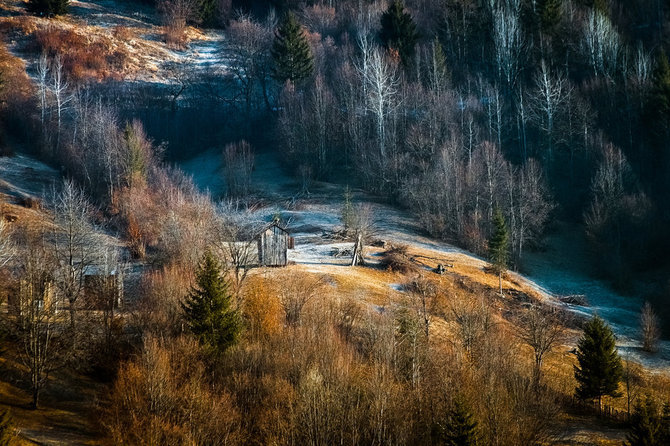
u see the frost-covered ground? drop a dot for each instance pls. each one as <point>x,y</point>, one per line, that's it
<point>22,177</point>
<point>315,218</point>
<point>563,269</point>
<point>133,29</point>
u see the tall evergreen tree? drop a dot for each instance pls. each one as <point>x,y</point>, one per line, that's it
<point>461,427</point>
<point>291,53</point>
<point>646,425</point>
<point>399,32</point>
<point>499,245</point>
<point>48,7</point>
<point>208,308</point>
<point>599,370</point>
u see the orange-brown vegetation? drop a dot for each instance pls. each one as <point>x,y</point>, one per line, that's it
<point>334,355</point>
<point>84,56</point>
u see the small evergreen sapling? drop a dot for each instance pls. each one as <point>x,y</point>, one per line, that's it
<point>649,427</point>
<point>208,308</point>
<point>461,428</point>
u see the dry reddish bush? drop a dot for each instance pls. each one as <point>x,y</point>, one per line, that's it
<point>164,397</point>
<point>262,308</point>
<point>122,32</point>
<point>84,57</point>
<point>23,24</point>
<point>161,292</point>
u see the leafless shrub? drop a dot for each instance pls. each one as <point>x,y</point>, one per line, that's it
<point>164,397</point>
<point>542,329</point>
<point>474,321</point>
<point>319,18</point>
<point>649,328</point>
<point>175,15</point>
<point>295,296</point>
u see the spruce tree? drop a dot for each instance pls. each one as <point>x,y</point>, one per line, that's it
<point>499,245</point>
<point>48,7</point>
<point>6,428</point>
<point>208,308</point>
<point>291,53</point>
<point>398,32</point>
<point>646,425</point>
<point>599,370</point>
<point>461,428</point>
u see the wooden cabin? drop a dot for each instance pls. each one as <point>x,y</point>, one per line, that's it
<point>103,290</point>
<point>273,244</point>
<point>40,294</point>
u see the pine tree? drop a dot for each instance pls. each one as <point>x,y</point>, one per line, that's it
<point>291,53</point>
<point>208,308</point>
<point>461,428</point>
<point>48,7</point>
<point>646,425</point>
<point>498,245</point>
<point>599,370</point>
<point>399,32</point>
<point>6,428</point>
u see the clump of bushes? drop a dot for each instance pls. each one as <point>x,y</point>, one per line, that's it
<point>397,259</point>
<point>83,57</point>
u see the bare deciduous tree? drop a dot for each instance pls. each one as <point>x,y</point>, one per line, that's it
<point>37,327</point>
<point>250,43</point>
<point>59,89</point>
<point>602,44</point>
<point>508,41</point>
<point>649,328</point>
<point>7,245</point>
<point>238,159</point>
<point>77,244</point>
<point>549,100</point>
<point>379,77</point>
<point>542,329</point>
<point>235,242</point>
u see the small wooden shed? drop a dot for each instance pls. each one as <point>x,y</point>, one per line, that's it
<point>273,244</point>
<point>103,289</point>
